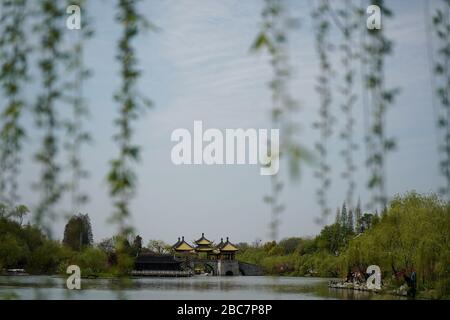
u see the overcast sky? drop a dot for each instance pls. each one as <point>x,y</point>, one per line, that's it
<point>198,67</point>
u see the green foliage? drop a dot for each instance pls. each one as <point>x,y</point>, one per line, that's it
<point>13,251</point>
<point>76,135</point>
<point>137,245</point>
<point>307,246</point>
<point>45,259</point>
<point>331,238</point>
<point>125,254</point>
<point>78,232</point>
<point>158,246</point>
<point>344,216</point>
<point>439,42</point>
<point>290,245</point>
<point>274,38</point>
<point>366,221</point>
<point>350,221</point>
<point>251,255</point>
<point>348,25</point>
<point>92,261</point>
<point>376,47</point>
<point>412,234</point>
<point>279,264</point>
<point>121,177</point>
<point>108,245</point>
<point>13,77</point>
<point>27,247</point>
<point>324,125</point>
<point>16,213</point>
<point>358,216</point>
<point>48,120</point>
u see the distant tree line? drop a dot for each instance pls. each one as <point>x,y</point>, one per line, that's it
<point>28,247</point>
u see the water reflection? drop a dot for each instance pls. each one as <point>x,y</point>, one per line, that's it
<point>46,287</point>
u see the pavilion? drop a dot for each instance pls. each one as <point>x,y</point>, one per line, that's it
<point>206,248</point>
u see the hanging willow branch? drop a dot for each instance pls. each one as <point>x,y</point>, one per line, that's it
<point>350,17</point>
<point>51,58</point>
<point>321,16</point>
<point>76,135</point>
<point>375,50</point>
<point>13,77</point>
<point>122,177</point>
<point>441,85</point>
<point>273,37</point>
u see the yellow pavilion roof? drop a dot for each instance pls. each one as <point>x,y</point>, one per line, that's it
<point>204,245</point>
<point>203,241</point>
<point>227,246</point>
<point>182,246</point>
<point>204,249</point>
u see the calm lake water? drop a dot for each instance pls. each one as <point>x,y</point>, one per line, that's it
<point>193,288</point>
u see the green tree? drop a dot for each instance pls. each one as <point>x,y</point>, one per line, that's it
<point>78,232</point>
<point>158,246</point>
<point>45,259</point>
<point>350,223</point>
<point>413,235</point>
<point>338,216</point>
<point>19,212</point>
<point>289,245</point>
<point>4,210</point>
<point>108,245</point>
<point>358,216</point>
<point>92,260</point>
<point>307,246</point>
<point>13,251</point>
<point>366,221</point>
<point>124,256</point>
<point>330,238</point>
<point>344,217</point>
<point>137,245</point>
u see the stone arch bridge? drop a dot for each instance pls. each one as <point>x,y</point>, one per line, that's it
<point>226,267</point>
